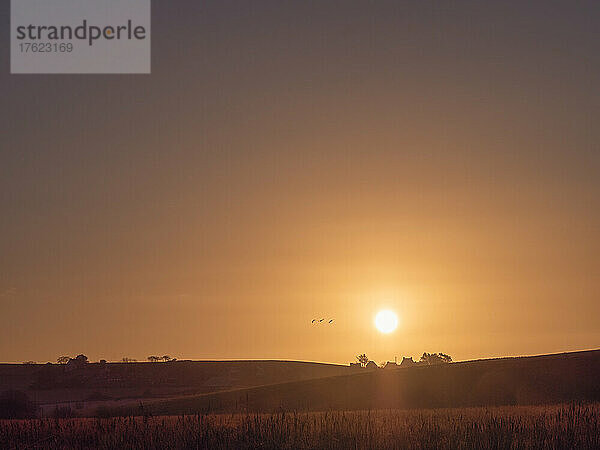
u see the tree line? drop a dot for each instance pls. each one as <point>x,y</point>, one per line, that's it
<point>83,359</point>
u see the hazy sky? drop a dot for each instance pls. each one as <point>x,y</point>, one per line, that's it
<point>288,160</point>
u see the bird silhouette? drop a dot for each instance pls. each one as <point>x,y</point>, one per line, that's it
<point>318,321</point>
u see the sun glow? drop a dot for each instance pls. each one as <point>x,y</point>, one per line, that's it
<point>386,321</point>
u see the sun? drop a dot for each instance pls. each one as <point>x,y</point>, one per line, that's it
<point>386,321</point>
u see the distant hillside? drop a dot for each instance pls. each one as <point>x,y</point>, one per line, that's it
<point>508,381</point>
<point>56,383</point>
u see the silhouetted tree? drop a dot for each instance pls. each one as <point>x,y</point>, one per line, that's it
<point>166,358</point>
<point>153,358</point>
<point>435,358</point>
<point>80,360</point>
<point>445,358</point>
<point>128,360</point>
<point>363,360</point>
<point>62,359</point>
<point>28,363</point>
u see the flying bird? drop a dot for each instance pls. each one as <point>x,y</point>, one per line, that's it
<point>317,321</point>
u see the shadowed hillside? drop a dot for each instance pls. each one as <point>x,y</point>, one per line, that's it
<point>95,383</point>
<point>510,381</point>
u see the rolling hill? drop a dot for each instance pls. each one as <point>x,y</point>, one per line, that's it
<point>110,384</point>
<point>542,379</point>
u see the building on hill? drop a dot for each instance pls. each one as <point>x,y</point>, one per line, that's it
<point>407,362</point>
<point>391,365</point>
<point>371,365</point>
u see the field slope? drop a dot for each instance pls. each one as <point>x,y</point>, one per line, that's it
<point>544,379</point>
<point>85,388</point>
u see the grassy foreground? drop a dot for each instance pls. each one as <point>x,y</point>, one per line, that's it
<point>557,427</point>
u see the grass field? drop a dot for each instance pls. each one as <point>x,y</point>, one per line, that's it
<point>558,427</point>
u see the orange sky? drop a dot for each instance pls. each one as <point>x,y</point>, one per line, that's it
<point>287,162</point>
